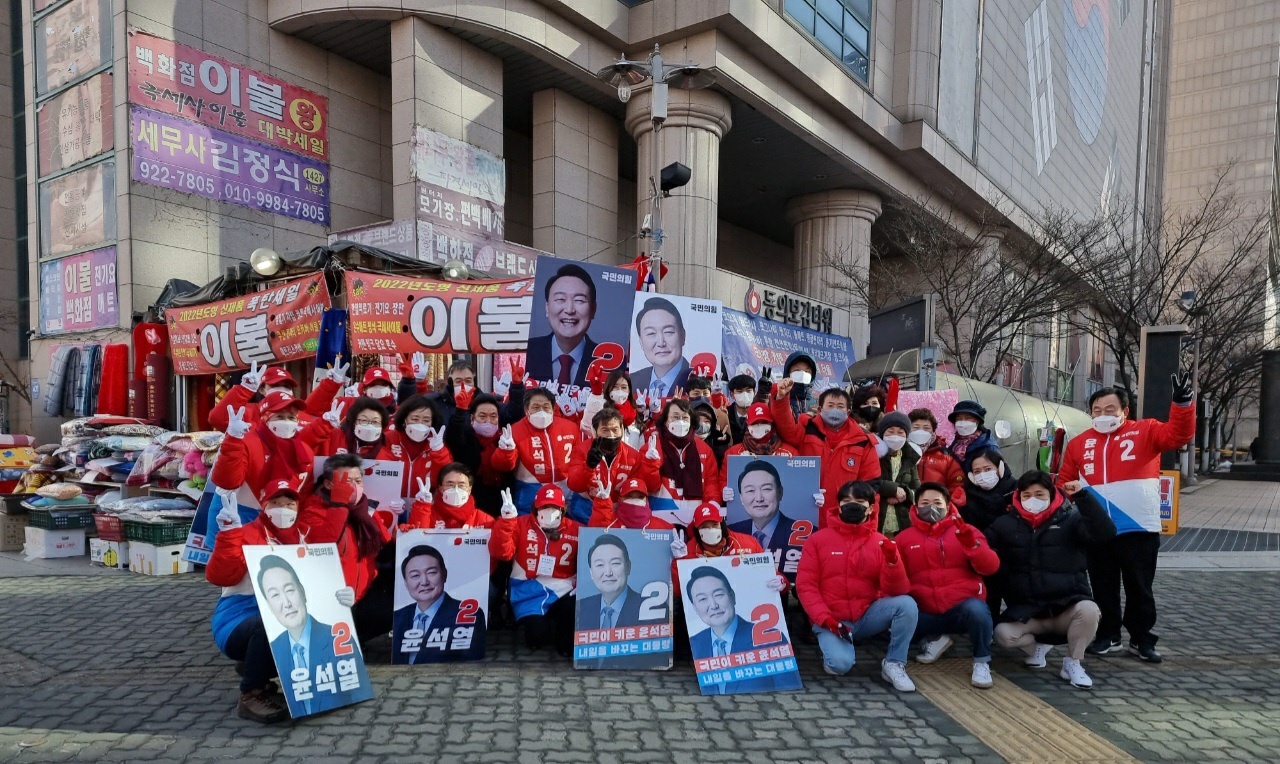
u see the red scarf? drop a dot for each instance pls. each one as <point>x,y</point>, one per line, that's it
<point>286,457</point>
<point>453,517</point>
<point>627,411</point>
<point>1038,520</point>
<point>689,479</point>
<point>760,447</point>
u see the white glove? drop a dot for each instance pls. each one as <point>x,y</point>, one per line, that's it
<point>508,506</point>
<point>642,400</point>
<point>777,584</point>
<point>717,384</point>
<point>652,451</point>
<point>395,507</point>
<point>334,415</point>
<point>419,362</point>
<point>338,372</point>
<point>252,378</point>
<point>601,490</point>
<point>346,596</point>
<point>506,442</point>
<point>436,439</point>
<point>502,385</point>
<point>678,548</point>
<point>236,426</point>
<point>424,490</point>
<point>820,498</point>
<point>566,404</point>
<point>727,494</point>
<point>352,391</point>
<point>228,517</point>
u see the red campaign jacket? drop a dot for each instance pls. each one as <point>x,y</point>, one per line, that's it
<point>604,515</point>
<point>227,566</point>
<point>627,464</point>
<point>493,469</point>
<point>523,542</point>
<point>318,403</point>
<point>337,444</point>
<point>937,465</point>
<point>540,456</point>
<point>943,571</point>
<point>843,571</point>
<point>847,454</point>
<point>437,515</point>
<point>357,571</point>
<point>244,460</point>
<point>418,458</point>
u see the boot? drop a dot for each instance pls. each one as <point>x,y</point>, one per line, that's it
<point>262,706</point>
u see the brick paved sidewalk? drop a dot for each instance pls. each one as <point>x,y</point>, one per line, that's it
<point>1232,505</point>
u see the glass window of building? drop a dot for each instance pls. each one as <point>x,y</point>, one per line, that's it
<point>841,26</point>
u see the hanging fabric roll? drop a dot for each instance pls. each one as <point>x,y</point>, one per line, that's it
<point>138,408</point>
<point>113,393</point>
<point>58,375</point>
<point>158,386</point>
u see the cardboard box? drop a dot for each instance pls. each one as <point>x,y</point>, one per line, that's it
<point>152,560</point>
<point>12,535</point>
<point>109,554</point>
<point>44,544</point>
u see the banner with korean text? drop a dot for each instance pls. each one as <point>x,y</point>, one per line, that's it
<point>78,292</point>
<point>272,326</point>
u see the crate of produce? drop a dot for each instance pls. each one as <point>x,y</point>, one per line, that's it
<point>61,518</point>
<point>159,534</point>
<point>110,527</point>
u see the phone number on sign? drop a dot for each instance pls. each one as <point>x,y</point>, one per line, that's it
<point>220,189</point>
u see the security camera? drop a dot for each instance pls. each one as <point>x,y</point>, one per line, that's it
<point>647,226</point>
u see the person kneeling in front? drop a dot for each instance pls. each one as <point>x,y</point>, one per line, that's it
<point>1044,546</point>
<point>852,585</point>
<point>946,559</point>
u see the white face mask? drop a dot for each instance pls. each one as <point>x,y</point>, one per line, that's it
<point>540,419</point>
<point>985,480</point>
<point>920,437</point>
<point>417,432</point>
<point>1106,424</point>
<point>548,519</point>
<point>895,442</point>
<point>801,377</point>
<point>710,536</point>
<point>760,431</point>
<point>678,427</point>
<point>378,391</point>
<point>368,432</point>
<point>619,396</point>
<point>743,399</point>
<point>282,517</point>
<point>456,497</point>
<point>1035,506</point>
<point>485,429</point>
<point>283,428</point>
<point>966,427</point>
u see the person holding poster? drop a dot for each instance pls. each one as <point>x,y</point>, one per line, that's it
<point>760,495</point>
<point>688,473</point>
<point>670,352</point>
<point>451,507</point>
<point>761,438</point>
<point>436,626</point>
<point>732,654</point>
<point>417,443</point>
<point>542,444</point>
<point>256,384</point>
<point>544,549</point>
<point>272,448</point>
<point>605,461</point>
<point>852,585</point>
<point>624,603</point>
<point>319,663</point>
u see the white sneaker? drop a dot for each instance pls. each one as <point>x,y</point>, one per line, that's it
<point>1074,673</point>
<point>934,648</point>
<point>895,673</point>
<point>981,676</point>
<point>1037,658</point>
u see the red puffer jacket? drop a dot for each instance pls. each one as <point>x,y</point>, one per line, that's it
<point>420,462</point>
<point>937,465</point>
<point>626,464</point>
<point>358,571</point>
<point>247,459</point>
<point>943,571</point>
<point>843,570</point>
<point>438,515</point>
<point>523,542</point>
<point>847,454</point>
<point>318,403</point>
<point>540,456</point>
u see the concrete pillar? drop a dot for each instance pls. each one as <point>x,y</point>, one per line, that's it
<point>575,177</point>
<point>1269,409</point>
<point>834,224</point>
<point>444,83</point>
<point>696,121</point>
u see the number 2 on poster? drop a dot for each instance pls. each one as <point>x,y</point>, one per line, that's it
<point>341,639</point>
<point>653,600</point>
<point>800,532</point>
<point>764,630</point>
<point>467,612</point>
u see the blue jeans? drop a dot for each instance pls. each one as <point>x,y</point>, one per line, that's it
<point>972,617</point>
<point>896,615</point>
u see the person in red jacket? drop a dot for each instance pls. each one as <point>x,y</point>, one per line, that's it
<point>276,379</point>
<point>544,443</point>
<point>605,460</point>
<point>417,443</point>
<point>936,464</point>
<point>688,473</point>
<point>363,432</point>
<point>852,585</point>
<point>451,507</point>
<point>760,438</point>
<point>631,510</point>
<point>544,549</point>
<point>848,452</point>
<point>272,448</point>
<point>1119,459</point>
<point>946,560</point>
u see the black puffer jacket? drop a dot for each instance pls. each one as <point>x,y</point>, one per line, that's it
<point>1045,570</point>
<point>982,507</point>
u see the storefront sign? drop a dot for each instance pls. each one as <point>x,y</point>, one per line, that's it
<point>78,293</point>
<point>396,236</point>
<point>80,210</point>
<point>390,314</point>
<point>189,83</point>
<point>788,308</point>
<point>446,163</point>
<point>173,153</point>
<point>71,42</point>
<point>272,326</point>
<point>446,208</point>
<point>438,244</point>
<point>757,342</point>
<point>76,125</point>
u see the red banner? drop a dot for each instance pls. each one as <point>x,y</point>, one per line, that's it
<point>392,314</point>
<point>272,326</point>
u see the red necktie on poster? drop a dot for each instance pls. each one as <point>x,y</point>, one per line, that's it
<point>566,366</point>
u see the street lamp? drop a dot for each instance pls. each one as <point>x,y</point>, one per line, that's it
<point>455,270</point>
<point>625,74</point>
<point>265,261</point>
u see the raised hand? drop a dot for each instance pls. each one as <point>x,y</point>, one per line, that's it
<point>506,442</point>
<point>352,391</point>
<point>783,389</point>
<point>727,494</point>
<point>566,405</point>
<point>424,490</point>
<point>1072,487</point>
<point>517,372</point>
<point>502,385</point>
<point>597,379</point>
<point>418,361</point>
<point>1182,391</point>
<point>463,396</point>
<point>436,439</point>
<point>678,547</point>
<point>642,400</point>
<point>717,383</point>
<point>967,534</point>
<point>890,550</point>
<point>652,452</point>
<point>338,372</point>
<point>334,415</point>
<point>601,490</point>
<point>508,511</point>
<point>252,378</point>
<point>228,517</point>
<point>236,426</point>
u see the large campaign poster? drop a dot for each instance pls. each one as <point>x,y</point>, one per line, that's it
<point>737,631</point>
<point>754,342</point>
<point>383,478</point>
<point>574,325</point>
<point>442,596</point>
<point>624,607</point>
<point>773,502</point>
<point>673,337</point>
<point>312,634</point>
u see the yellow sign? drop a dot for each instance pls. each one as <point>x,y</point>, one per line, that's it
<point>1170,486</point>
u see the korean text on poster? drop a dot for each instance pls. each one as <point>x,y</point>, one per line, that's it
<point>454,209</point>
<point>185,156</point>
<point>271,326</point>
<point>673,337</point>
<point>756,342</point>
<point>79,292</point>
<point>737,631</point>
<point>76,124</point>
<point>441,597</point>
<point>312,633</point>
<point>186,82</point>
<point>390,314</point>
<point>79,209</point>
<point>773,503</point>
<point>447,163</point>
<point>439,244</point>
<point>624,607</point>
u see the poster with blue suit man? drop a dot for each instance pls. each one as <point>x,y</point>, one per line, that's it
<point>773,500</point>
<point>624,607</point>
<point>441,596</point>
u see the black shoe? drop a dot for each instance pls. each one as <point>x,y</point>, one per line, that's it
<point>240,668</point>
<point>1102,646</point>
<point>1147,653</point>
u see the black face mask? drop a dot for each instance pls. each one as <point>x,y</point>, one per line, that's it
<point>869,413</point>
<point>853,513</point>
<point>607,445</point>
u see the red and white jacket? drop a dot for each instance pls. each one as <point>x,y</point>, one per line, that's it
<point>524,543</point>
<point>419,460</point>
<point>627,464</point>
<point>541,456</point>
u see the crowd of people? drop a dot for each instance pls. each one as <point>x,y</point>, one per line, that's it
<point>918,539</point>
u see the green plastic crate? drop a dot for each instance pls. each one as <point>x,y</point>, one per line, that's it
<point>60,519</point>
<point>160,534</point>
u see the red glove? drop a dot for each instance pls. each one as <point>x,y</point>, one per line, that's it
<point>517,372</point>
<point>831,625</point>
<point>406,369</point>
<point>597,379</point>
<point>890,550</point>
<point>463,396</point>
<point>719,400</point>
<point>967,535</point>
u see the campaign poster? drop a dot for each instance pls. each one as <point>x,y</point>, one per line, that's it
<point>450,164</point>
<point>76,124</point>
<point>673,337</point>
<point>204,526</point>
<point>79,209</point>
<point>624,607</point>
<point>737,631</point>
<point>755,342</point>
<point>572,329</point>
<point>383,478</point>
<point>773,503</point>
<point>442,596</point>
<point>312,634</point>
<point>71,42</point>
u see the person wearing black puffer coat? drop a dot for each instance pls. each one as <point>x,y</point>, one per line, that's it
<point>988,489</point>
